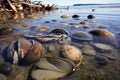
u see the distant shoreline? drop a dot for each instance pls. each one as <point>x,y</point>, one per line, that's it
<point>95,4</point>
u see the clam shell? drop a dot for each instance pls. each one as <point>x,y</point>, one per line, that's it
<point>23,47</point>
<point>72,53</point>
<point>52,69</point>
<point>24,51</point>
<point>34,53</point>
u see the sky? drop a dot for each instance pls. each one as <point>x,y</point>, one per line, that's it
<point>71,2</point>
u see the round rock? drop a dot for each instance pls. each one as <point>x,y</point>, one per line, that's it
<point>102,60</point>
<point>88,50</point>
<point>65,16</point>
<point>90,17</point>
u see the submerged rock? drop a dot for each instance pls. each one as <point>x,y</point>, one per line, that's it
<point>88,50</point>
<point>51,69</point>
<point>2,77</point>
<point>82,36</point>
<point>102,60</point>
<point>103,46</point>
<point>6,30</point>
<point>5,68</point>
<point>73,23</point>
<point>54,20</point>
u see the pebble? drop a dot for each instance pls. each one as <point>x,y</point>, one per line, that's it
<point>54,20</point>
<point>75,16</point>
<point>83,22</point>
<point>81,35</point>
<point>47,21</point>
<point>25,25</point>
<point>64,24</point>
<point>73,23</point>
<point>65,16</point>
<point>44,28</point>
<point>90,17</point>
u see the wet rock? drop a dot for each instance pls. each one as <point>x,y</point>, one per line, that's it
<point>71,52</point>
<point>54,20</point>
<point>76,17</point>
<point>6,30</point>
<point>101,33</point>
<point>88,50</point>
<point>64,24</point>
<point>65,16</point>
<point>44,28</point>
<point>1,58</point>
<point>103,47</point>
<point>64,40</point>
<point>90,17</point>
<point>102,60</point>
<point>47,21</point>
<point>51,69</point>
<point>83,22</point>
<point>6,68</point>
<point>86,26</point>
<point>69,78</point>
<point>2,77</point>
<point>59,32</point>
<point>25,25</point>
<point>19,72</point>
<point>73,23</point>
<point>81,36</point>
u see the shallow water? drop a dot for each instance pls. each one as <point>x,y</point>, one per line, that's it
<point>105,18</point>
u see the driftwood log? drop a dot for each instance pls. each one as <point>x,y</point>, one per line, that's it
<point>12,6</point>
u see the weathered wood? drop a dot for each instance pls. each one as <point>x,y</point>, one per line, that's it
<point>12,6</point>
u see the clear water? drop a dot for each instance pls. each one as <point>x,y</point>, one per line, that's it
<point>105,15</point>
